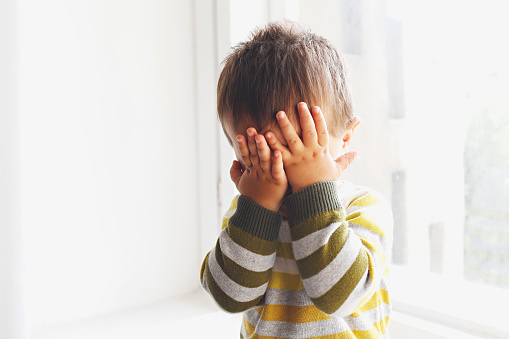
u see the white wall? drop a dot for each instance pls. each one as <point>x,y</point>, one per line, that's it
<point>108,154</point>
<point>11,265</point>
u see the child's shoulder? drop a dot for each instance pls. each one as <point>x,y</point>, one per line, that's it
<point>353,195</point>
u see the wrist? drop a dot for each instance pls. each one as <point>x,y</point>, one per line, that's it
<point>270,205</point>
<point>312,200</point>
<point>265,203</point>
<point>256,219</point>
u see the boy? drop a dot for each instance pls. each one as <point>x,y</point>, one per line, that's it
<point>302,253</point>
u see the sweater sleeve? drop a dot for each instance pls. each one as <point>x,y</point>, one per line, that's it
<point>236,272</point>
<point>341,258</point>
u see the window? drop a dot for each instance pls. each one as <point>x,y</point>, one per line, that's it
<point>430,80</point>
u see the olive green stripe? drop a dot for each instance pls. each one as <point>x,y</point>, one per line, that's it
<point>332,300</point>
<point>227,303</point>
<point>312,200</point>
<point>321,258</point>
<point>256,219</point>
<point>239,274</point>
<point>250,242</point>
<point>316,223</point>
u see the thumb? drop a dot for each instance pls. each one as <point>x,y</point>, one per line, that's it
<point>236,172</point>
<point>345,160</point>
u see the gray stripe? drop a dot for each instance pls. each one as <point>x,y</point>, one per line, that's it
<point>368,318</point>
<point>323,327</point>
<point>312,242</point>
<point>284,232</point>
<point>287,297</point>
<point>369,234</point>
<point>252,317</point>
<point>301,331</point>
<point>320,283</point>
<point>355,297</point>
<point>285,266</point>
<point>231,288</point>
<point>229,213</point>
<point>243,257</point>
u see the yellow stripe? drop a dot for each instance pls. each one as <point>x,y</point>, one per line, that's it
<point>372,269</point>
<point>380,297</point>
<point>366,220</point>
<point>371,275</point>
<point>233,206</point>
<point>285,281</point>
<point>375,249</point>
<point>374,332</point>
<point>293,314</point>
<point>248,327</point>
<point>224,223</point>
<point>284,250</point>
<point>366,201</point>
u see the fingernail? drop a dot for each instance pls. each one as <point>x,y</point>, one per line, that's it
<point>268,136</point>
<point>239,140</point>
<point>281,115</point>
<point>257,141</point>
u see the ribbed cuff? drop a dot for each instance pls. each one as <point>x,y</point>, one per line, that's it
<point>312,200</point>
<point>256,220</point>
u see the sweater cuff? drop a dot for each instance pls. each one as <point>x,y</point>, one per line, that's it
<point>312,200</point>
<point>256,220</point>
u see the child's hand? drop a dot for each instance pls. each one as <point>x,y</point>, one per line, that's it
<point>307,161</point>
<point>263,180</point>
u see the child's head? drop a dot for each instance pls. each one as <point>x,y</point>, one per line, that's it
<point>280,66</point>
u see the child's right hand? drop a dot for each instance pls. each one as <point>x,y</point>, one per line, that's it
<point>263,179</point>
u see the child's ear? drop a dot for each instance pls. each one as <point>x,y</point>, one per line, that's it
<point>350,128</point>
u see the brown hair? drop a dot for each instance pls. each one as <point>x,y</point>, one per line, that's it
<point>280,66</point>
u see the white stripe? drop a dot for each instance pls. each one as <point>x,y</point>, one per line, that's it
<point>284,265</point>
<point>230,287</point>
<point>320,283</point>
<point>243,257</point>
<point>284,232</point>
<point>369,318</point>
<point>355,297</point>
<point>365,285</point>
<point>229,213</point>
<point>301,330</point>
<point>310,243</point>
<point>374,237</point>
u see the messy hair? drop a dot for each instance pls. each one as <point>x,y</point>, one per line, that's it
<point>278,67</point>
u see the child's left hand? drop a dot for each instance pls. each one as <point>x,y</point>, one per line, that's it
<point>307,161</point>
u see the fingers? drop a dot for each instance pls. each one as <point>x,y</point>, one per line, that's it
<point>345,160</point>
<point>236,172</point>
<point>244,150</point>
<point>275,144</point>
<point>321,126</point>
<point>277,165</point>
<point>263,151</point>
<point>291,137</point>
<point>307,124</point>
<point>251,144</point>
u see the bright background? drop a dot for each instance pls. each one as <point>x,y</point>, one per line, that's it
<point>114,171</point>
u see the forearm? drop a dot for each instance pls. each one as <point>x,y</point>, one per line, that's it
<point>237,270</point>
<point>340,267</point>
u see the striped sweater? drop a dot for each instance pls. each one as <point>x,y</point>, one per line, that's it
<point>320,273</point>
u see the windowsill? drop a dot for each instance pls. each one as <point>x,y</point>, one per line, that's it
<point>190,316</point>
<point>457,305</point>
<point>404,326</point>
<point>415,316</point>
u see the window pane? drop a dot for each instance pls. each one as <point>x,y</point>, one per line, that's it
<point>431,82</point>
